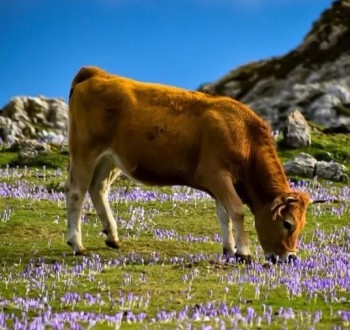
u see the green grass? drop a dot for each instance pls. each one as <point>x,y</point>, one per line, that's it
<point>34,237</point>
<point>335,147</point>
<point>7,157</point>
<point>36,230</point>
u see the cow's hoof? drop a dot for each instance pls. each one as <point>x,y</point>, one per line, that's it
<point>228,253</point>
<point>81,252</point>
<point>112,244</point>
<point>244,259</point>
<point>228,256</point>
<point>273,259</point>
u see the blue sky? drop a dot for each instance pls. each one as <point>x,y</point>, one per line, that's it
<point>179,42</point>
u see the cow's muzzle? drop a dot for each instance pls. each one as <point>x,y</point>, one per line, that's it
<point>288,258</point>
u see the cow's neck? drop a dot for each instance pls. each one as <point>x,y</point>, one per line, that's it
<point>266,179</point>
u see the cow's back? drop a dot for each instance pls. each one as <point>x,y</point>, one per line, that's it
<point>157,133</point>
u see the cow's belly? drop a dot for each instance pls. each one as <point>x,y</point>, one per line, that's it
<point>152,175</point>
<point>155,177</point>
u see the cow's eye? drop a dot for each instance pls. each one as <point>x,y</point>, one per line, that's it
<point>287,225</point>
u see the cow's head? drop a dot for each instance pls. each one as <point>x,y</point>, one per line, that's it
<point>280,223</point>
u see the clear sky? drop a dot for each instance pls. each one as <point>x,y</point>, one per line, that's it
<point>178,42</point>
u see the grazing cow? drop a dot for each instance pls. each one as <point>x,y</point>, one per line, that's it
<point>162,135</point>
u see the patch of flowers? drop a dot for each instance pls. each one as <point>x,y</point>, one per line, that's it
<point>327,280</point>
<point>79,295</point>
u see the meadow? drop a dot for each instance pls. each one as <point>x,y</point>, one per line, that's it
<point>169,272</point>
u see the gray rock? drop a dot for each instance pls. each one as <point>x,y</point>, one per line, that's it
<point>314,77</point>
<point>33,117</point>
<point>303,164</point>
<point>31,149</point>
<point>296,131</point>
<point>306,165</point>
<point>342,93</point>
<point>5,130</point>
<point>331,171</point>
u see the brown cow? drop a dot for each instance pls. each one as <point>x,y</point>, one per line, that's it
<point>162,135</point>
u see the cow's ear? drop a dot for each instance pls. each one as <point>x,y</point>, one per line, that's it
<point>276,203</point>
<point>302,197</point>
<point>281,202</point>
<point>291,199</point>
<point>277,206</point>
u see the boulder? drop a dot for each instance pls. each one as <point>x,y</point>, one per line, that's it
<point>296,131</point>
<point>303,164</point>
<point>306,165</point>
<point>31,149</point>
<point>331,171</point>
<point>6,134</point>
<point>33,117</point>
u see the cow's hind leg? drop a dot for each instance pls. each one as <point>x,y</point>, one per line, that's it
<point>80,173</point>
<point>104,175</point>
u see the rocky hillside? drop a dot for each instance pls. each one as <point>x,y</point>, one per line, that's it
<point>34,118</point>
<point>314,77</point>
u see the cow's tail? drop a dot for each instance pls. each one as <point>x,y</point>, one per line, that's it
<point>85,73</point>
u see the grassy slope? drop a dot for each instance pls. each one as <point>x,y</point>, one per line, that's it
<point>36,229</point>
<point>337,145</point>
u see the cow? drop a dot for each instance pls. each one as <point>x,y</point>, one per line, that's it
<point>164,135</point>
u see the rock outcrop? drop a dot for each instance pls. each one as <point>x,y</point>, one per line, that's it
<point>306,165</point>
<point>296,131</point>
<point>34,118</point>
<point>30,149</point>
<point>314,77</point>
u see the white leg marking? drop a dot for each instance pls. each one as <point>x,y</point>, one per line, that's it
<point>75,201</point>
<point>79,178</point>
<point>234,209</point>
<point>228,242</point>
<point>242,242</point>
<point>105,174</point>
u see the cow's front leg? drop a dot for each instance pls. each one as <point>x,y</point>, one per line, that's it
<point>227,196</point>
<point>228,242</point>
<point>241,237</point>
